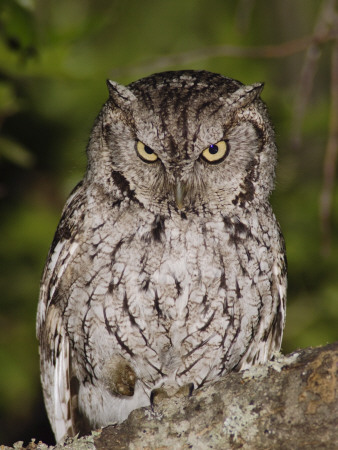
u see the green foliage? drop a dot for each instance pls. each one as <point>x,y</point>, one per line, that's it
<point>54,59</point>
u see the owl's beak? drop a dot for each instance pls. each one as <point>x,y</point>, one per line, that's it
<point>180,191</point>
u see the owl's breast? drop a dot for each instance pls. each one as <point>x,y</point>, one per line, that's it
<point>196,294</point>
<point>181,301</point>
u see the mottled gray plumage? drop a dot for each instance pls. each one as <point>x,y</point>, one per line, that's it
<point>168,265</point>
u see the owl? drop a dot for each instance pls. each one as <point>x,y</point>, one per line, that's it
<point>168,267</point>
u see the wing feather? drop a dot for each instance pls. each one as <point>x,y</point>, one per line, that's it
<point>55,358</point>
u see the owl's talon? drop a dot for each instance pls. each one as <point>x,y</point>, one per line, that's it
<point>185,391</point>
<point>157,395</point>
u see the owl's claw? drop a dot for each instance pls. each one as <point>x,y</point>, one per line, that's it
<point>186,390</point>
<point>159,394</point>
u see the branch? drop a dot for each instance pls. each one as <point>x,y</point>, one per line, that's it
<point>330,158</point>
<point>326,24</point>
<point>288,403</point>
<point>266,51</point>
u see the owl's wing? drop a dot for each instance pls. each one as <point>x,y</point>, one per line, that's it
<point>55,374</point>
<point>269,333</point>
<point>55,361</point>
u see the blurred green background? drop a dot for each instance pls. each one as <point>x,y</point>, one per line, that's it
<point>54,59</point>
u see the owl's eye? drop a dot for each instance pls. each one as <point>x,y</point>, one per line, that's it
<point>216,153</point>
<point>145,153</point>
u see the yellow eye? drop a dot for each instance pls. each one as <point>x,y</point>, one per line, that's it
<point>216,153</point>
<point>145,153</point>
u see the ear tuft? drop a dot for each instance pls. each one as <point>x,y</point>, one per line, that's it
<point>245,95</point>
<point>119,94</point>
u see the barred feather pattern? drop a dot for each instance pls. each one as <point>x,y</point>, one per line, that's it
<point>167,268</point>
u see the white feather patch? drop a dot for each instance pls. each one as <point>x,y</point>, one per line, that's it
<point>61,391</point>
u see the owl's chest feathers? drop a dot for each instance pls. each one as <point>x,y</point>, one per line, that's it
<point>172,270</point>
<point>168,290</point>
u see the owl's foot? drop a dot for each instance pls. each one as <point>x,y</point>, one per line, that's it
<point>185,391</point>
<point>119,376</point>
<point>159,394</point>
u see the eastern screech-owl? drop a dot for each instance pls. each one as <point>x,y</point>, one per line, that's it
<point>168,266</point>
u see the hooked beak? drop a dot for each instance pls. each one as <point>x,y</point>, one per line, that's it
<point>180,191</point>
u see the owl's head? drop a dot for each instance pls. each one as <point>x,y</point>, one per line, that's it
<point>186,141</point>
